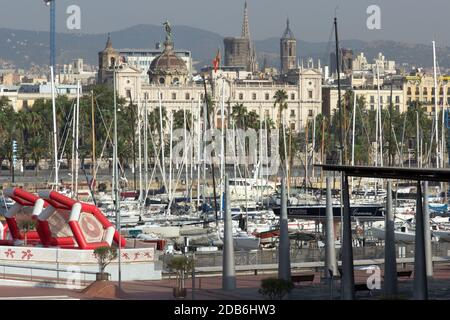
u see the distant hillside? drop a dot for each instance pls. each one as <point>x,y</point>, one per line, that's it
<point>28,48</point>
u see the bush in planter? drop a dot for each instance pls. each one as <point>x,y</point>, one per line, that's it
<point>275,289</point>
<point>104,256</point>
<point>182,266</point>
<point>26,226</point>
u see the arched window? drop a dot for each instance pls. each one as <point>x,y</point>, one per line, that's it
<point>162,80</point>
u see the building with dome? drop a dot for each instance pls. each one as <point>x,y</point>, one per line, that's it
<point>168,68</point>
<point>170,84</point>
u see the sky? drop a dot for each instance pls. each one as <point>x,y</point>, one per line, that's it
<point>412,21</point>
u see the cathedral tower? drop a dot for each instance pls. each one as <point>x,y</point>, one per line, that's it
<point>288,50</point>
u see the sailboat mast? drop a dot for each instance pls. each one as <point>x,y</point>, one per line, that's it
<point>145,149</point>
<point>77,136</point>
<point>380,123</point>
<point>162,139</point>
<point>222,147</point>
<point>436,95</point>
<point>55,135</point>
<point>170,160</point>
<point>93,135</point>
<point>139,127</point>
<point>199,151</point>
<point>116,179</point>
<point>72,162</point>
<point>186,150</point>
<point>353,133</point>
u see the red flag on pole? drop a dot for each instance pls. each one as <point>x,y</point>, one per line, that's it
<point>216,61</point>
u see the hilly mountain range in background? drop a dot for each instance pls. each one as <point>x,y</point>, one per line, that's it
<point>28,48</point>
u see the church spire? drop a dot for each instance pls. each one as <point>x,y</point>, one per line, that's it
<point>245,25</point>
<point>108,42</point>
<point>288,34</point>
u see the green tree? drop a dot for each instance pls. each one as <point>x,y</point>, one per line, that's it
<point>280,100</point>
<point>104,256</point>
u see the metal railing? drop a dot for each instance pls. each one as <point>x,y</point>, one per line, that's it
<point>305,254</point>
<point>48,279</point>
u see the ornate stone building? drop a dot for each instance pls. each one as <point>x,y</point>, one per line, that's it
<point>169,81</point>
<point>106,58</point>
<point>168,68</point>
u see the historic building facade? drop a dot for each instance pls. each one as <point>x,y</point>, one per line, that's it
<point>170,84</point>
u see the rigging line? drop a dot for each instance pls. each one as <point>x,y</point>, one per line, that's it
<point>60,151</point>
<point>180,172</point>
<point>157,152</point>
<point>108,133</point>
<point>87,181</point>
<point>103,148</point>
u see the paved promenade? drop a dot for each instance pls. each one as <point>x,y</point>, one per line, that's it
<point>209,288</point>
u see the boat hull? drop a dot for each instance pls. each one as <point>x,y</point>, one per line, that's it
<point>319,211</point>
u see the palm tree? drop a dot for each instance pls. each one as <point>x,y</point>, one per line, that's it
<point>238,114</point>
<point>280,100</point>
<point>178,119</point>
<point>252,120</point>
<point>37,150</point>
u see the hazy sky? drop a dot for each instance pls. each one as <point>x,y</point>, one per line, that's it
<point>415,21</point>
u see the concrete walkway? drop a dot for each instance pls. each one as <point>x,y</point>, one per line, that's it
<point>209,288</point>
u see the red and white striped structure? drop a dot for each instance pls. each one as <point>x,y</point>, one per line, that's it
<point>22,199</point>
<point>90,228</point>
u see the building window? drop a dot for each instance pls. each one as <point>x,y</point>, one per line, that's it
<point>187,96</point>
<point>267,96</point>
<point>425,91</point>
<point>381,100</point>
<point>241,96</point>
<point>397,108</point>
<point>293,126</point>
<point>174,96</point>
<point>397,99</point>
<point>292,96</point>
<point>409,91</point>
<point>310,113</point>
<point>162,80</point>
<point>372,107</point>
<point>128,94</point>
<point>254,96</point>
<point>201,96</point>
<point>292,113</point>
<point>372,99</point>
<point>146,95</point>
<point>310,94</point>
